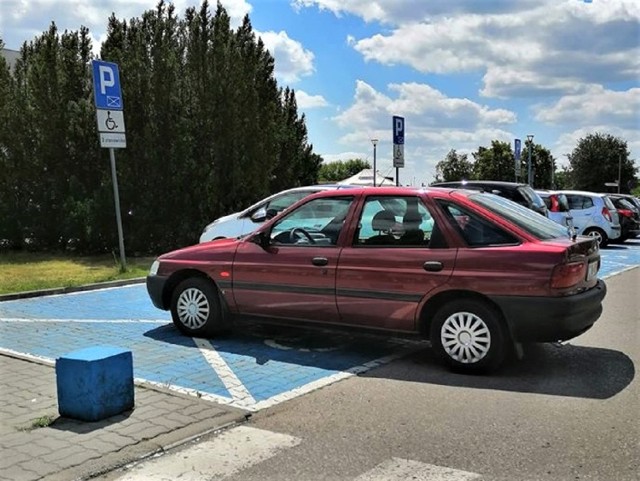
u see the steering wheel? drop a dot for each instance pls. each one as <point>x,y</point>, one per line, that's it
<point>294,235</point>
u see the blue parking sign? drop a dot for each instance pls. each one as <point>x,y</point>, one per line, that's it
<point>398,130</point>
<point>106,85</point>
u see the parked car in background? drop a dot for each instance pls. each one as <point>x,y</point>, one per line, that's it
<point>473,272</point>
<point>522,194</point>
<point>248,220</point>
<point>593,215</point>
<point>631,198</point>
<point>629,217</point>
<point>558,207</point>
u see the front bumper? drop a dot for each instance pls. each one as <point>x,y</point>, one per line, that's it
<point>544,319</point>
<point>155,288</point>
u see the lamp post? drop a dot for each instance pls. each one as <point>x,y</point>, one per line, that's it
<point>529,176</point>
<point>375,143</point>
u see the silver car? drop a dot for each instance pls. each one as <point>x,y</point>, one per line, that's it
<point>242,223</point>
<point>593,215</point>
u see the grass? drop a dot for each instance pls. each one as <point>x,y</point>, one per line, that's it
<point>25,271</point>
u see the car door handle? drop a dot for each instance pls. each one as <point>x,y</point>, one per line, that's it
<point>432,266</point>
<point>319,261</point>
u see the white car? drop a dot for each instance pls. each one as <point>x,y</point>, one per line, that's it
<point>244,222</point>
<point>593,215</point>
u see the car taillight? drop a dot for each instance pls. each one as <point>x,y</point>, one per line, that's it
<point>567,275</point>
<point>626,213</point>
<point>606,214</point>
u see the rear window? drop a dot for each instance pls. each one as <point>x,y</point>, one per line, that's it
<point>608,203</point>
<point>532,196</point>
<point>530,221</point>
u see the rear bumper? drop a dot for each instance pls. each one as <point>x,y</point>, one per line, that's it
<point>537,319</point>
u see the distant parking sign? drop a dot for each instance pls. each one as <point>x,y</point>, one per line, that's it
<point>398,141</point>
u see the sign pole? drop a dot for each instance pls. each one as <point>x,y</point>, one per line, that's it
<point>116,197</point>
<point>111,130</point>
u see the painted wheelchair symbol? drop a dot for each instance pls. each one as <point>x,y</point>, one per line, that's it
<point>110,123</point>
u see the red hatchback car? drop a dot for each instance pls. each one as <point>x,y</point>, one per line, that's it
<point>473,272</point>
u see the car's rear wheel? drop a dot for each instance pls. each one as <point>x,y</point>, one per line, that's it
<point>469,336</point>
<point>597,234</point>
<point>195,308</point>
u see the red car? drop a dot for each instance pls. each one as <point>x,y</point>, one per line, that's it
<point>473,272</point>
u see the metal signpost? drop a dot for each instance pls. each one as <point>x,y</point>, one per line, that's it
<point>398,145</point>
<point>110,117</point>
<point>517,148</point>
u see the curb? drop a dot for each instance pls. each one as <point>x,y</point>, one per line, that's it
<point>66,290</point>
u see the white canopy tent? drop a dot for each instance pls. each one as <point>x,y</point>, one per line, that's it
<point>365,177</point>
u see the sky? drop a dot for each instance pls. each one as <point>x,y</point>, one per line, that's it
<point>461,72</point>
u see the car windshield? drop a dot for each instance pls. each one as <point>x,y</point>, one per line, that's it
<point>530,221</point>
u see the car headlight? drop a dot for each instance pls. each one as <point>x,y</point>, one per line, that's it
<point>154,268</point>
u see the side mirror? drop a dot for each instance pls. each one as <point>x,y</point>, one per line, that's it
<point>259,216</point>
<point>271,213</point>
<point>262,239</point>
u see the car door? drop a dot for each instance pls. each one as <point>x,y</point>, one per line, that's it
<point>582,211</point>
<point>386,269</point>
<point>289,269</point>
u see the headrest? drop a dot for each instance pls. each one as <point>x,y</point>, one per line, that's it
<point>383,220</point>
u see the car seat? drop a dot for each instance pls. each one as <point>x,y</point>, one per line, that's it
<point>382,223</point>
<point>413,234</point>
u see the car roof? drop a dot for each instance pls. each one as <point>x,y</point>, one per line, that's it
<point>583,192</point>
<point>480,183</point>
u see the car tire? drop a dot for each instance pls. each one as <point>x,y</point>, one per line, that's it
<point>469,336</point>
<point>598,234</point>
<point>196,309</point>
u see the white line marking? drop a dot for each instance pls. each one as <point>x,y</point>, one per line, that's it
<point>397,469</point>
<point>230,452</point>
<point>240,394</point>
<point>325,381</point>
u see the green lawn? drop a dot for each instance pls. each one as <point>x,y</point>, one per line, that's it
<point>24,271</point>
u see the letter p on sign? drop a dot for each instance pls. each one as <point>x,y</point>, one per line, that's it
<point>398,130</point>
<point>107,79</point>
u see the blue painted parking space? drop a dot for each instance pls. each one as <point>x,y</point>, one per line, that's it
<point>252,369</point>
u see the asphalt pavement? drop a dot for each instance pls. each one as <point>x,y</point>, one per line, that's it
<point>185,388</point>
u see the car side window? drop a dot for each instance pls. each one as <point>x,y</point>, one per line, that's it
<point>476,231</point>
<point>315,223</point>
<point>392,221</point>
<point>579,202</point>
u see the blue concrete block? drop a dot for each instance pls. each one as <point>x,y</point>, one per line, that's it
<point>95,383</point>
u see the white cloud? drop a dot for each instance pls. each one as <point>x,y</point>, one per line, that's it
<point>292,60</point>
<point>522,48</point>
<point>426,106</point>
<point>434,123</point>
<point>306,101</point>
<point>595,105</point>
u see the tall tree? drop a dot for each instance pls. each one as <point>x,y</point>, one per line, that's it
<point>454,167</point>
<point>495,163</point>
<point>600,158</point>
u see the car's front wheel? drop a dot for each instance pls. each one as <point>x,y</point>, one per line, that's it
<point>469,336</point>
<point>195,308</point>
